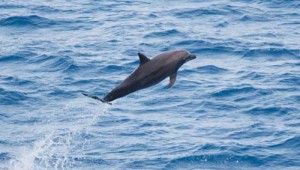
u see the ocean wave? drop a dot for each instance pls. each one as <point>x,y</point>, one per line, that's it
<point>48,9</point>
<point>218,106</point>
<point>27,21</point>
<point>271,110</point>
<point>18,56</point>
<point>167,33</point>
<point>90,161</point>
<point>198,43</point>
<point>290,79</point>
<point>272,54</point>
<point>292,23</point>
<point>211,69</point>
<point>4,156</point>
<point>254,76</point>
<point>251,134</point>
<point>2,117</point>
<point>56,63</point>
<point>296,125</point>
<point>192,13</point>
<point>291,143</point>
<point>16,81</point>
<point>145,164</point>
<point>211,147</point>
<point>31,120</point>
<point>11,6</point>
<point>281,4</point>
<point>254,18</point>
<point>108,123</point>
<point>11,97</point>
<point>152,124</point>
<point>57,92</point>
<point>42,58</point>
<point>234,107</point>
<point>297,98</point>
<point>234,91</point>
<point>2,142</point>
<point>35,21</point>
<point>222,24</point>
<point>204,47</point>
<point>113,68</point>
<point>10,58</point>
<point>214,161</point>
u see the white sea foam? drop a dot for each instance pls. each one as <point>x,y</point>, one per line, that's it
<point>55,149</point>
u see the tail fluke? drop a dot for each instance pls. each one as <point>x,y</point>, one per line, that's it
<point>95,97</point>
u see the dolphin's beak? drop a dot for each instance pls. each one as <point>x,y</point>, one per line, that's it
<point>192,56</point>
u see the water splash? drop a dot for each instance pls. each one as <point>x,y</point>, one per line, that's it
<point>59,148</point>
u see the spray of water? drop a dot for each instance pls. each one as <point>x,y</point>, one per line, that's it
<point>60,140</point>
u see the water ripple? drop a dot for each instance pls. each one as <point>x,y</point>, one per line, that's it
<point>214,161</point>
<point>211,69</point>
<point>167,33</point>
<point>272,53</point>
<point>11,97</point>
<point>26,21</point>
<point>234,91</point>
<point>234,107</point>
<point>269,110</point>
<point>291,143</point>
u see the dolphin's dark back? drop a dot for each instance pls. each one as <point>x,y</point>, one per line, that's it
<point>148,74</point>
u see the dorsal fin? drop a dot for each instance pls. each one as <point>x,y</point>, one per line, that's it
<point>143,58</point>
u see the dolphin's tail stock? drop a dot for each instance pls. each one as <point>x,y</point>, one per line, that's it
<point>95,97</point>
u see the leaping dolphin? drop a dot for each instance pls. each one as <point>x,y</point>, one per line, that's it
<point>149,73</point>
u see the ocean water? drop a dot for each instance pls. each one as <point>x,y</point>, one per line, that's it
<point>237,106</point>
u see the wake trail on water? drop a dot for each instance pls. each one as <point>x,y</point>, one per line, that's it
<point>61,145</point>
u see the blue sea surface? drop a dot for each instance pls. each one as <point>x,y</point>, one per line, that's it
<point>237,106</point>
